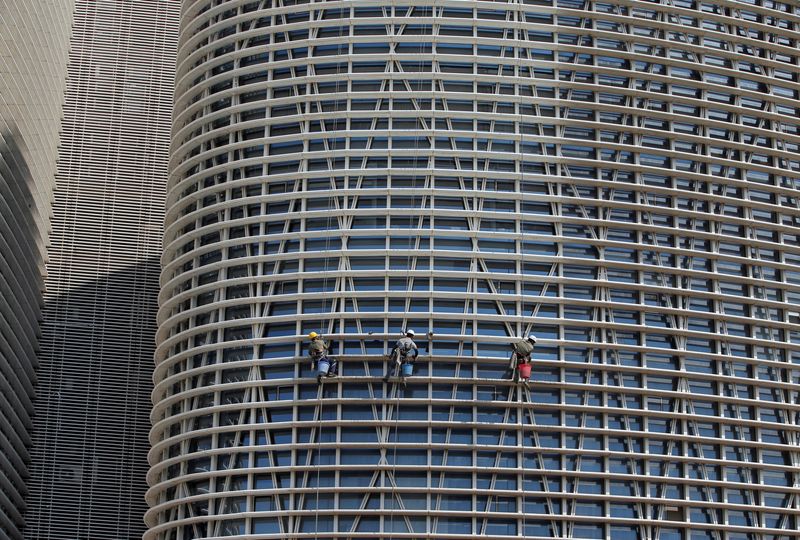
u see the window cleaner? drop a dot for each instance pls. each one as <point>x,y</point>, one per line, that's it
<point>404,354</point>
<point>521,358</point>
<point>320,361</point>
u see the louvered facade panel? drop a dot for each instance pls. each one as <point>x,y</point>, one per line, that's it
<point>93,398</point>
<point>33,59</point>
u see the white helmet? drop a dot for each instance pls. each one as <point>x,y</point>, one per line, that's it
<point>532,338</point>
<point>410,332</point>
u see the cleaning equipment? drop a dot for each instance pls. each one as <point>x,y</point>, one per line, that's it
<point>323,365</point>
<point>408,369</point>
<point>524,371</point>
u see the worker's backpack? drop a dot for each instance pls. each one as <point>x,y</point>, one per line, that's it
<point>524,347</point>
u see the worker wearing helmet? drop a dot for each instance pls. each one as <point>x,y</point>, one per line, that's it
<point>522,353</point>
<point>317,350</point>
<point>405,351</point>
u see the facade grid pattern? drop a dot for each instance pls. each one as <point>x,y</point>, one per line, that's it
<point>619,178</point>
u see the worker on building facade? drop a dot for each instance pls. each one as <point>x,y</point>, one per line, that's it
<point>521,358</point>
<point>318,351</point>
<point>404,352</point>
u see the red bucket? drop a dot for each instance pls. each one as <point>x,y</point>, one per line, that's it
<point>524,371</point>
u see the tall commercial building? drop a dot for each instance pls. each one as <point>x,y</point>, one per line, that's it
<point>89,457</point>
<point>33,54</point>
<point>619,178</point>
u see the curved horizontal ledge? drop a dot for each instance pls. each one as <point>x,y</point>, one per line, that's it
<point>397,513</point>
<point>430,134</point>
<point>190,12</point>
<point>179,155</point>
<point>421,382</point>
<point>161,444</point>
<point>435,492</point>
<point>526,473</point>
<point>200,64</point>
<point>182,184</point>
<point>163,364</point>
<point>525,118</point>
<point>189,114</point>
<point>718,422</point>
<point>168,315</point>
<point>167,336</point>
<point>418,261</point>
<point>176,283</point>
<point>520,50</point>
<point>519,452</point>
<point>176,259</point>
<point>257,325</point>
<point>162,384</point>
<point>262,303</point>
<point>160,427</point>
<point>198,52</point>
<point>430,154</point>
<point>517,471</point>
<point>536,386</point>
<point>435,150</point>
<point>163,402</point>
<point>556,161</point>
<point>182,211</point>
<point>190,94</point>
<point>166,343</point>
<point>176,222</point>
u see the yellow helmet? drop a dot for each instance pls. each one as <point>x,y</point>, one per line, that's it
<point>313,335</point>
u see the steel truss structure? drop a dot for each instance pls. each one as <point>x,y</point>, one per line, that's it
<point>620,178</point>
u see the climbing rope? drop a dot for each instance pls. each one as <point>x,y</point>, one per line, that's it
<point>332,201</point>
<point>394,360</point>
<point>392,480</point>
<point>521,327</point>
<point>319,457</point>
<point>430,177</point>
<point>332,198</point>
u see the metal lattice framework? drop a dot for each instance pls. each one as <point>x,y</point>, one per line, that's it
<point>619,178</point>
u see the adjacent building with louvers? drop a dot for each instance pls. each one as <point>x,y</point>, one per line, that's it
<point>33,52</point>
<point>89,456</point>
<point>619,178</point>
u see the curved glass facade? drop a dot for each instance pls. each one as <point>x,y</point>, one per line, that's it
<point>619,178</point>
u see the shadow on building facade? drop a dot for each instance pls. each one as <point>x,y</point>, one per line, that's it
<point>92,408</point>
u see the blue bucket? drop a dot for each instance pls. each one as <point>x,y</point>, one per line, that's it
<point>408,370</point>
<point>323,365</point>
